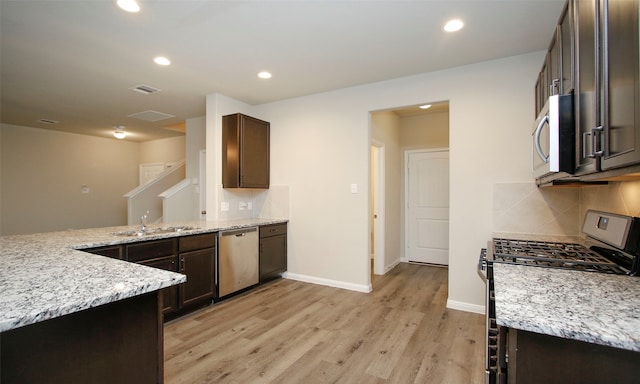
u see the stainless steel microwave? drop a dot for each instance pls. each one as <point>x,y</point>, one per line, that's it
<point>554,137</point>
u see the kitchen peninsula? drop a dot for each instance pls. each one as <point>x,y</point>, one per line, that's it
<point>71,316</point>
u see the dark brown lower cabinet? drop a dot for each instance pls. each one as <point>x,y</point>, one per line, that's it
<point>273,251</point>
<point>192,255</point>
<point>197,255</point>
<point>535,358</point>
<point>169,294</point>
<point>199,266</point>
<point>119,342</point>
<point>112,251</point>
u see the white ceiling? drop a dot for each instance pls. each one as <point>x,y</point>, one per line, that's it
<point>74,61</point>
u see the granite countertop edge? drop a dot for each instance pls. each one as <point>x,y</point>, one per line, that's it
<point>47,275</point>
<point>585,306</point>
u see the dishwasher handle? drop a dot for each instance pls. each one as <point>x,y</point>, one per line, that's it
<point>239,232</point>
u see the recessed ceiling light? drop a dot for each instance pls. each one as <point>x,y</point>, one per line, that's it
<point>264,75</point>
<point>131,6</point>
<point>161,60</point>
<point>426,106</point>
<point>453,25</point>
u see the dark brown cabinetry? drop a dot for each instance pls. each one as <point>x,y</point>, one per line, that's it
<point>598,61</point>
<point>535,358</point>
<point>245,152</point>
<point>556,74</point>
<point>620,72</point>
<point>157,254</point>
<point>193,256</point>
<point>607,89</point>
<point>273,251</point>
<point>112,251</point>
<point>169,294</point>
<point>197,255</point>
<point>587,104</point>
<point>118,342</point>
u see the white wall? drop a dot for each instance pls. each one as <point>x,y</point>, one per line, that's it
<point>43,172</point>
<point>167,150</point>
<point>320,145</point>
<point>425,131</point>
<point>195,142</point>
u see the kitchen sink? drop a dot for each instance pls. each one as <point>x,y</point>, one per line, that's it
<point>154,231</point>
<point>180,228</point>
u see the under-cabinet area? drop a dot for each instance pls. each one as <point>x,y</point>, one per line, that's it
<point>211,274</point>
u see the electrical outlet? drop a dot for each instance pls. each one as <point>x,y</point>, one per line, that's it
<point>224,206</point>
<point>242,206</point>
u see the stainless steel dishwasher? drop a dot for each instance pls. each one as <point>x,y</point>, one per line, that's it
<point>238,260</point>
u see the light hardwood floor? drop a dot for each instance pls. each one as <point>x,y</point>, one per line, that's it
<point>294,332</point>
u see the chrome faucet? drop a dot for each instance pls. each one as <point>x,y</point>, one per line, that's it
<point>143,222</point>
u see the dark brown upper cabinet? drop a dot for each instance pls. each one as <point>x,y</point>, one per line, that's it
<point>245,152</point>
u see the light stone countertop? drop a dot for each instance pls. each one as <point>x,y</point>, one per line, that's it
<point>45,275</point>
<point>587,306</point>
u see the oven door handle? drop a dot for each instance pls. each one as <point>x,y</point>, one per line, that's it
<point>482,264</point>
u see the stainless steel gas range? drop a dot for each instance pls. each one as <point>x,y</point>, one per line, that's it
<point>612,246</point>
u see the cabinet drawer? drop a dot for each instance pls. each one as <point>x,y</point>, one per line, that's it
<point>191,243</point>
<point>273,230</point>
<point>150,250</point>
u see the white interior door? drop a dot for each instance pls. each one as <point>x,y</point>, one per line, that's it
<point>427,181</point>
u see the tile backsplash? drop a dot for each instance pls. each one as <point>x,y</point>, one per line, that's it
<point>271,203</point>
<point>525,208</point>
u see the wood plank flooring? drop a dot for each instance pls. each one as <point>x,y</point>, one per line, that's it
<point>294,332</point>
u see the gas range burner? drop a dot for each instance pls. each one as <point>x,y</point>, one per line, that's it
<point>552,255</point>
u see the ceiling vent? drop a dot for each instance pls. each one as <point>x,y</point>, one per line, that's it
<point>47,121</point>
<point>145,89</point>
<point>151,116</point>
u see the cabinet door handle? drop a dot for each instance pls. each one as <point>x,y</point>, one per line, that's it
<point>554,88</point>
<point>595,134</point>
<point>597,142</point>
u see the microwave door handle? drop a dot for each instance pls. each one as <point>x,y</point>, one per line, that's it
<point>536,139</point>
<point>584,146</point>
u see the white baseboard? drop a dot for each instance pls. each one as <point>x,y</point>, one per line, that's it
<point>327,282</point>
<point>465,306</point>
<point>393,265</point>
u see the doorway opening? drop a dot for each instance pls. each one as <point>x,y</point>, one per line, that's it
<point>397,131</point>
